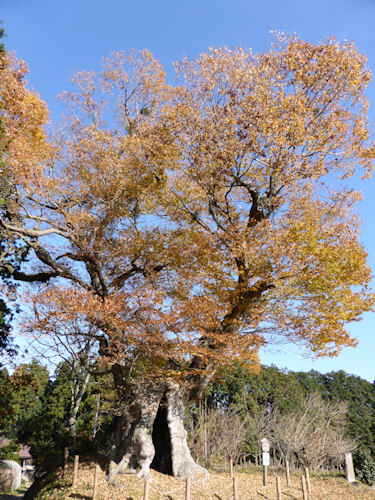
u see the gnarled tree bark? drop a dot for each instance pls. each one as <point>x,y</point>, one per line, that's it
<point>150,430</point>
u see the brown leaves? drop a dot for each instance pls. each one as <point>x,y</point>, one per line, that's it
<point>194,222</point>
<point>23,116</point>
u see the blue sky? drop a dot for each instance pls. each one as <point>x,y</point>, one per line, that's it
<point>56,38</point>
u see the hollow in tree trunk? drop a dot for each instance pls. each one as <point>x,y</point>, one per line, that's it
<point>150,431</point>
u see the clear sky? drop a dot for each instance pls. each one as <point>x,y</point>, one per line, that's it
<point>56,38</point>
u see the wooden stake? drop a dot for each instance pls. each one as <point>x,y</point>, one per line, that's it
<point>188,489</point>
<point>66,458</point>
<point>287,474</point>
<point>75,471</point>
<point>205,432</point>
<point>231,466</point>
<point>307,476</point>
<point>235,489</point>
<point>278,488</point>
<point>304,490</point>
<point>147,490</point>
<point>96,477</point>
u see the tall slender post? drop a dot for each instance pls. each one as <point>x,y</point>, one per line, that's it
<point>188,489</point>
<point>76,460</point>
<point>95,488</point>
<point>265,458</point>
<point>278,488</point>
<point>304,489</point>
<point>287,473</point>
<point>205,431</point>
<point>307,476</point>
<point>350,474</point>
<point>146,490</point>
<point>202,429</point>
<point>264,475</point>
<point>235,489</point>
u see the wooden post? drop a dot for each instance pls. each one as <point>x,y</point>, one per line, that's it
<point>235,489</point>
<point>66,458</point>
<point>304,490</point>
<point>205,432</point>
<point>307,476</point>
<point>76,460</point>
<point>287,473</point>
<point>188,489</point>
<point>231,466</point>
<point>147,490</point>
<point>278,488</point>
<point>96,477</point>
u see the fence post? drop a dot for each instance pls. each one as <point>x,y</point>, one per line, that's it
<point>307,475</point>
<point>66,458</point>
<point>278,488</point>
<point>188,489</point>
<point>96,477</point>
<point>75,471</point>
<point>147,490</point>
<point>235,489</point>
<point>304,491</point>
<point>287,473</point>
<point>231,466</point>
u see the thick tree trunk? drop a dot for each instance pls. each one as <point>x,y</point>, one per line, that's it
<point>150,430</point>
<point>183,464</point>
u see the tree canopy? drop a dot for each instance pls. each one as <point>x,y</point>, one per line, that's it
<point>183,226</point>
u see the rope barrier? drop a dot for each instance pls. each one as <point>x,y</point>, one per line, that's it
<point>169,492</point>
<point>199,482</point>
<point>215,493</point>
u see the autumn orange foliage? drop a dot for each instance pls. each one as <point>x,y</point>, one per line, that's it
<point>189,224</point>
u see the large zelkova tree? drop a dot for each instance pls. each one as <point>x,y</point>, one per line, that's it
<point>182,227</point>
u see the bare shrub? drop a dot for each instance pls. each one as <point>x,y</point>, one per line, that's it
<point>218,435</point>
<point>314,433</point>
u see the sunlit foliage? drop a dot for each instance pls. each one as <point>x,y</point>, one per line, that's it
<point>190,224</point>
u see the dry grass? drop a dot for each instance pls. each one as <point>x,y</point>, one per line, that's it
<point>250,486</point>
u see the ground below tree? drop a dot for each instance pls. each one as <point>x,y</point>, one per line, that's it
<point>250,487</point>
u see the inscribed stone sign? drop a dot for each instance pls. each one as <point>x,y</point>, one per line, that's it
<point>350,476</point>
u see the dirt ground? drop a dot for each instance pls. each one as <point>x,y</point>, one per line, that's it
<point>218,487</point>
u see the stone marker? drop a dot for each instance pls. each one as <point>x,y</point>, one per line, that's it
<point>350,476</point>
<point>11,474</point>
<point>6,480</point>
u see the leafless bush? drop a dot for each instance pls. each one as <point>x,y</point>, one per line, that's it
<point>218,435</point>
<point>314,433</point>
